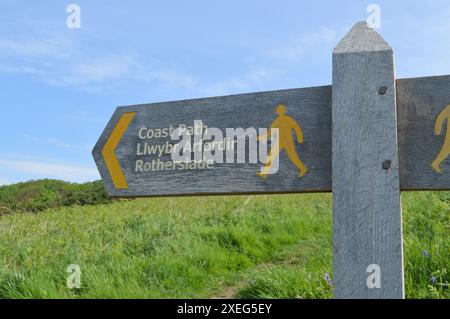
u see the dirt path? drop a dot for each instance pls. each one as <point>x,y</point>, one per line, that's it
<point>230,292</point>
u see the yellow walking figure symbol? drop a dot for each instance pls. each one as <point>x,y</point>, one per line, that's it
<point>445,150</point>
<point>284,141</point>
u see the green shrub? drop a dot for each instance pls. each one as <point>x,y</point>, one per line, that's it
<point>36,196</point>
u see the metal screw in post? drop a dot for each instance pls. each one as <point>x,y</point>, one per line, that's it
<point>382,90</point>
<point>386,164</point>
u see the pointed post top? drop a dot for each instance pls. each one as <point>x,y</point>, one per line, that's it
<point>361,38</point>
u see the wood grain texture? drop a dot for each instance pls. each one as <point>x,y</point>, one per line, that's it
<point>419,102</point>
<point>310,107</point>
<point>366,197</point>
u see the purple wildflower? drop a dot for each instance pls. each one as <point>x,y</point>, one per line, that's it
<point>433,279</point>
<point>327,278</point>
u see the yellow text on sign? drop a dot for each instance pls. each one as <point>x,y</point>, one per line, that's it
<point>443,117</point>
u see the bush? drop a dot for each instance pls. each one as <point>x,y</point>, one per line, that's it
<point>35,196</point>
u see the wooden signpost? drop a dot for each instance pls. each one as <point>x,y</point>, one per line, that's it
<point>367,232</point>
<point>365,138</point>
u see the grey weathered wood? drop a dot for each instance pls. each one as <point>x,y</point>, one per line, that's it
<point>366,198</point>
<point>419,102</point>
<point>310,107</point>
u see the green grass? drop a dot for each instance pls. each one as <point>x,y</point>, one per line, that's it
<point>246,246</point>
<point>426,229</point>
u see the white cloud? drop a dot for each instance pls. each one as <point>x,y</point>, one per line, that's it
<point>61,143</point>
<point>170,78</point>
<point>83,148</point>
<point>294,49</point>
<point>27,70</point>
<point>37,169</point>
<point>61,61</point>
<point>52,45</point>
<point>253,78</point>
<point>55,60</point>
<point>100,72</point>
<point>275,63</point>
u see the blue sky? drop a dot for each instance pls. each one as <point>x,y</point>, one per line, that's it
<point>59,86</point>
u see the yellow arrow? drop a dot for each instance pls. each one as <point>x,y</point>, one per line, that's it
<point>108,151</point>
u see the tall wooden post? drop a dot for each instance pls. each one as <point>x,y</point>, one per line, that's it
<point>367,232</point>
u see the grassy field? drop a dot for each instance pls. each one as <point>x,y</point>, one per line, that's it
<point>239,246</point>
